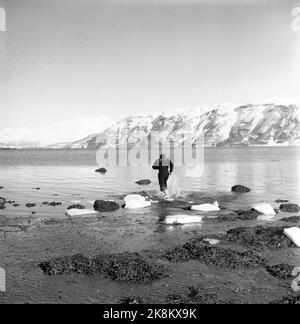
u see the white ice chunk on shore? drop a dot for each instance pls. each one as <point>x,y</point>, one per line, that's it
<point>212,241</point>
<point>206,207</point>
<point>293,234</point>
<point>265,209</point>
<point>80,212</point>
<point>136,202</point>
<point>181,219</point>
<point>134,198</point>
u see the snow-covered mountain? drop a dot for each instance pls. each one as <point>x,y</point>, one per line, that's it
<point>57,135</point>
<point>222,125</point>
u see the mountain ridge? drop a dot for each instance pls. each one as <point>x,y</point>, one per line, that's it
<point>251,124</point>
<point>247,125</point>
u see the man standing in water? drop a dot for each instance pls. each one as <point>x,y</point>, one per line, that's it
<point>163,165</point>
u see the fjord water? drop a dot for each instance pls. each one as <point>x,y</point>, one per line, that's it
<point>68,176</point>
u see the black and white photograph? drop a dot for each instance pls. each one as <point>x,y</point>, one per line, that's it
<point>149,154</point>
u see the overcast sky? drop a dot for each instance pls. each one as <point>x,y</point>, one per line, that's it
<point>64,59</point>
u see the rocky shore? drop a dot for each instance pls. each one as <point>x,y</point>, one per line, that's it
<point>227,258</point>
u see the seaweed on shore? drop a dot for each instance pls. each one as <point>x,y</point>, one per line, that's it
<point>288,300</point>
<point>260,237</point>
<point>281,271</point>
<point>196,249</point>
<point>199,296</point>
<point>129,267</point>
<point>135,300</point>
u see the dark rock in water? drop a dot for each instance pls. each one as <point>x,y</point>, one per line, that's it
<point>101,170</point>
<point>52,203</point>
<point>260,237</point>
<point>128,267</point>
<point>288,300</point>
<point>282,271</point>
<point>144,182</point>
<point>289,208</point>
<point>2,203</point>
<point>292,219</point>
<point>30,205</point>
<point>75,206</point>
<point>105,206</point>
<point>10,202</point>
<point>239,188</point>
<point>16,205</point>
<point>214,256</point>
<point>33,213</point>
<point>278,201</point>
<point>247,214</point>
<point>37,188</point>
<point>1,187</point>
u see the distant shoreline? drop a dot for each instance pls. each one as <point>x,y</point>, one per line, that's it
<point>95,149</point>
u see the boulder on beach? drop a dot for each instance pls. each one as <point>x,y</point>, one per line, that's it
<point>143,182</point>
<point>289,208</point>
<point>265,209</point>
<point>105,206</point>
<point>101,170</point>
<point>240,188</point>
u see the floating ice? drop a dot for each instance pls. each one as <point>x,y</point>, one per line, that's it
<point>206,207</point>
<point>136,202</point>
<point>182,219</point>
<point>265,209</point>
<point>80,212</point>
<point>293,233</point>
<point>134,198</point>
<point>212,241</point>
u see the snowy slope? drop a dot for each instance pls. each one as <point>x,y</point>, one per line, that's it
<point>222,125</point>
